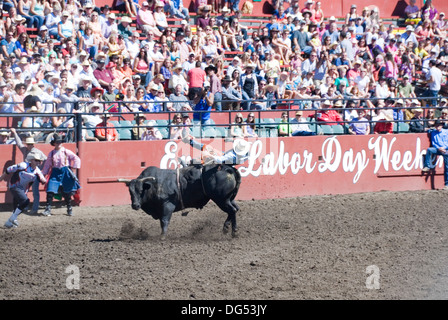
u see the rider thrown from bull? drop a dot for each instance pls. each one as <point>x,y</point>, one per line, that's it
<point>235,156</point>
<point>24,174</point>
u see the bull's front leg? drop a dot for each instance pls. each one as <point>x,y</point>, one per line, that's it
<point>168,210</point>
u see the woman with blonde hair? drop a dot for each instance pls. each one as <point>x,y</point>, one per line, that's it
<point>113,47</point>
<point>176,127</point>
<point>95,25</point>
<point>195,48</point>
<point>238,128</point>
<point>219,64</point>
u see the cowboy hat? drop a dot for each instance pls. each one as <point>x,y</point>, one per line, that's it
<point>241,147</point>
<point>35,155</point>
<point>338,104</point>
<point>30,140</point>
<point>226,78</point>
<point>84,78</point>
<point>210,67</point>
<point>126,19</point>
<point>96,104</point>
<point>55,139</point>
<point>35,90</point>
<point>386,115</point>
<point>271,86</point>
<point>23,60</point>
<point>20,18</point>
<point>92,91</point>
<point>69,85</point>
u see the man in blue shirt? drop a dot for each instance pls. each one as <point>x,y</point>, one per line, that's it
<point>176,8</point>
<point>439,146</point>
<point>8,45</point>
<point>203,103</point>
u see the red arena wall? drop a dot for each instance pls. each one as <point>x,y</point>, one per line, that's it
<point>277,168</point>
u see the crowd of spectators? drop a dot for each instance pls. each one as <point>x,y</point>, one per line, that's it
<point>83,58</point>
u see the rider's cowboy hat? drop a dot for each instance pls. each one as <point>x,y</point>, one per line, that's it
<point>241,147</point>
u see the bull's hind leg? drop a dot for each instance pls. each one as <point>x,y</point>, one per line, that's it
<point>231,211</point>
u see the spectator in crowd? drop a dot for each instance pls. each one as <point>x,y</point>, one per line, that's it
<point>418,123</point>
<point>359,125</point>
<point>196,78</point>
<point>284,127</point>
<point>146,21</point>
<point>249,86</point>
<point>384,125</point>
<point>203,102</point>
<point>237,128</point>
<point>139,126</point>
<point>106,131</point>
<point>176,127</point>
<point>232,94</point>
<point>434,79</point>
<point>328,115</point>
<point>94,117</point>
<point>178,98</point>
<point>299,127</point>
<point>151,132</point>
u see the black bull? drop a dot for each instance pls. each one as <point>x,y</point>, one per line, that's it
<point>160,192</point>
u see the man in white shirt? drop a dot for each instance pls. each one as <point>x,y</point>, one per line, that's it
<point>109,26</point>
<point>299,127</point>
<point>409,36</point>
<point>434,78</point>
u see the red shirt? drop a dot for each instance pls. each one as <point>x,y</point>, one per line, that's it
<point>105,75</point>
<point>196,77</point>
<point>384,127</point>
<point>112,133</point>
<point>330,116</point>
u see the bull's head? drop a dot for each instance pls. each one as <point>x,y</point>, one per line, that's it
<point>137,189</point>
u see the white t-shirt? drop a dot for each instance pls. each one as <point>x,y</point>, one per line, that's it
<point>362,83</point>
<point>435,75</point>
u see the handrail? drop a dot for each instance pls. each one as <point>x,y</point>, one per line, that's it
<point>78,127</point>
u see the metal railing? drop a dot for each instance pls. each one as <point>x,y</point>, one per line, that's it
<point>72,128</point>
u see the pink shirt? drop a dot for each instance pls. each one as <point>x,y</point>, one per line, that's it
<point>61,158</point>
<point>145,18</point>
<point>197,77</point>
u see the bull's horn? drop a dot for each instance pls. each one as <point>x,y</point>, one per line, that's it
<point>147,179</point>
<point>127,181</point>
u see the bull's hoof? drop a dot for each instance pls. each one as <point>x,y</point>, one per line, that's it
<point>225,229</point>
<point>163,237</point>
<point>235,234</point>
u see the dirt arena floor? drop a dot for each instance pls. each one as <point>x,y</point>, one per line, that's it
<point>322,247</point>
